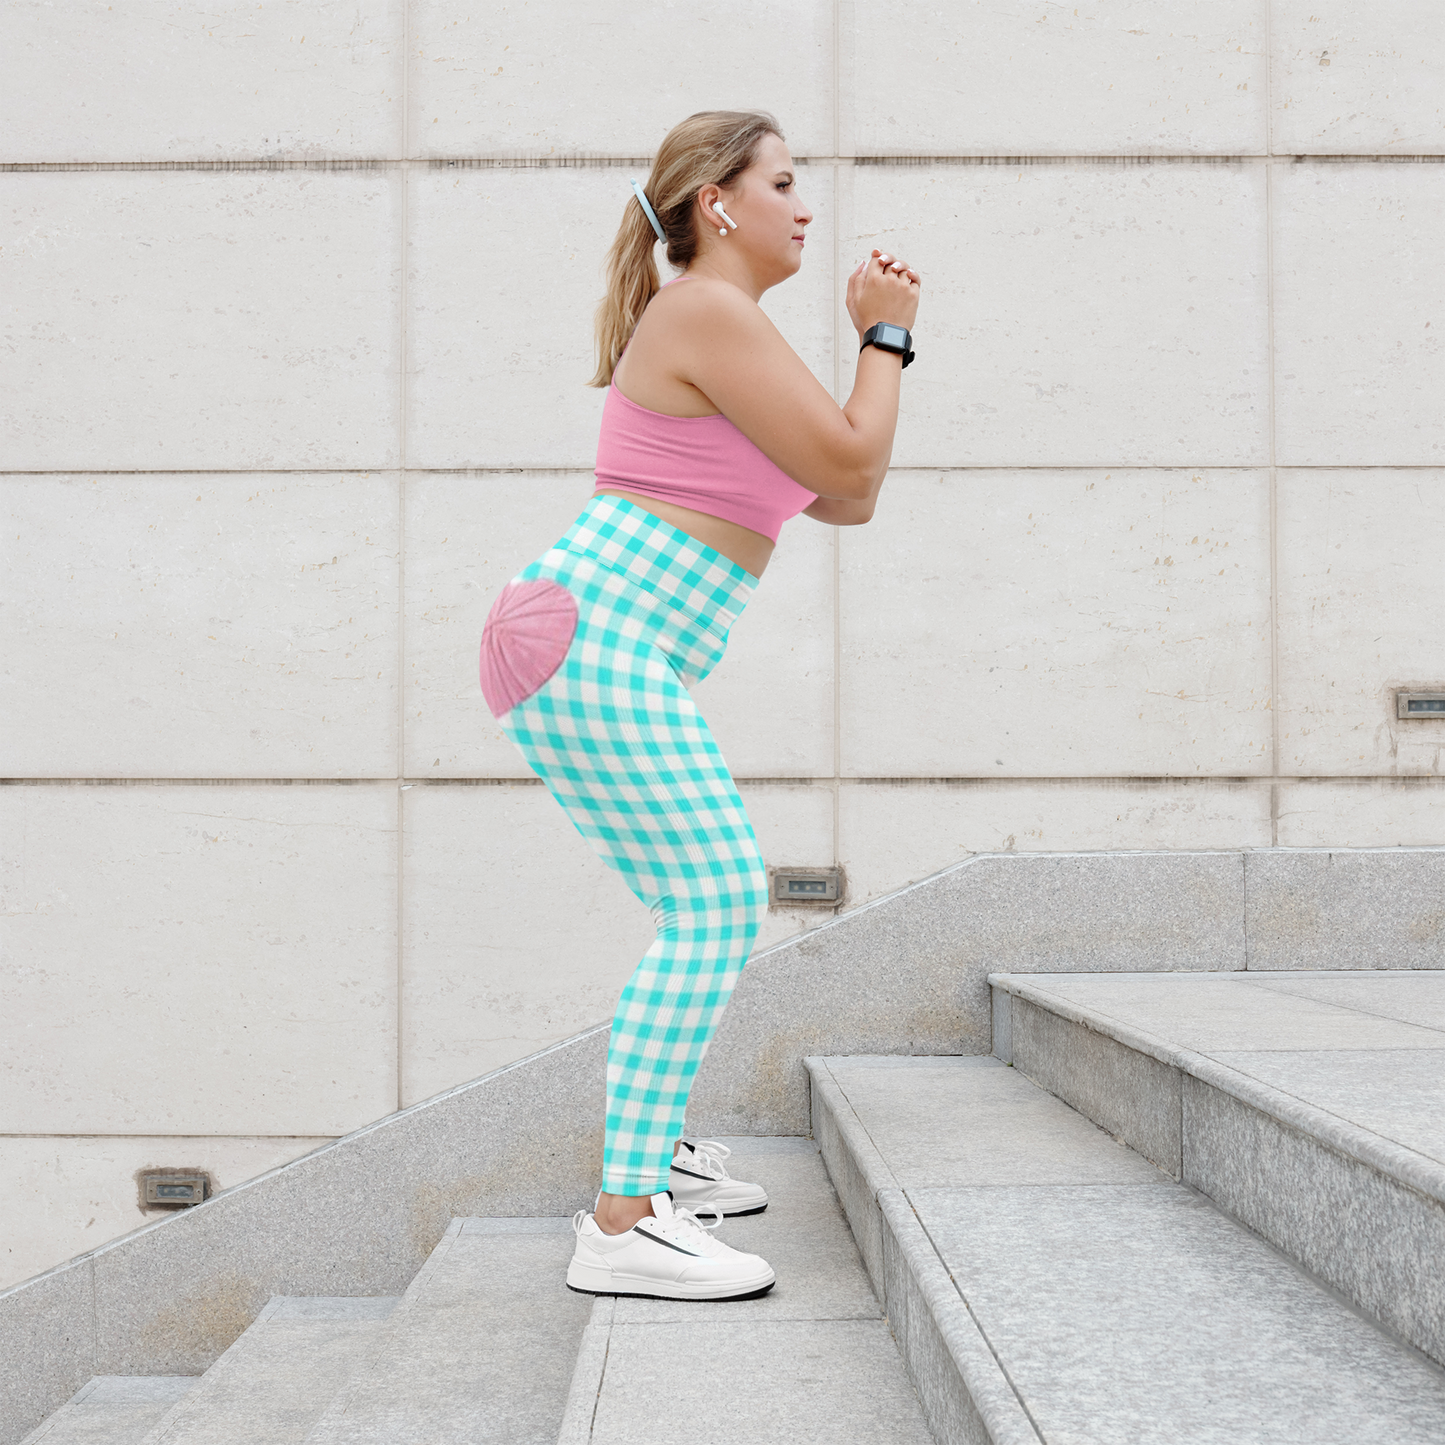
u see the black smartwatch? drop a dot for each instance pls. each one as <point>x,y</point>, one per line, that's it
<point>887,337</point>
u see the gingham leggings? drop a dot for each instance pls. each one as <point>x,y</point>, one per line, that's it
<point>619,742</point>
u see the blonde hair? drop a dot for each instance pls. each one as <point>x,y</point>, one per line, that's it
<point>712,147</point>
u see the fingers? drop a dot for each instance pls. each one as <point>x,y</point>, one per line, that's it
<point>891,266</point>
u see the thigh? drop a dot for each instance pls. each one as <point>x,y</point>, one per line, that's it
<point>622,746</point>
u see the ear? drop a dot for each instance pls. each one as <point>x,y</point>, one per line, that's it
<point>706,196</point>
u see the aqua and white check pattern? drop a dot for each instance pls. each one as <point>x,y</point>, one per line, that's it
<point>615,736</point>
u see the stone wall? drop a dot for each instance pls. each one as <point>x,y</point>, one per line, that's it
<point>297,307</point>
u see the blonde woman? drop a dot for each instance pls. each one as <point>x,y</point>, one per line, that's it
<point>714,433</point>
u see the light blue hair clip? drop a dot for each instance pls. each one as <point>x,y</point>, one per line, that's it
<point>651,214</point>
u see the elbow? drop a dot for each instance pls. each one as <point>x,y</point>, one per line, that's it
<point>848,484</point>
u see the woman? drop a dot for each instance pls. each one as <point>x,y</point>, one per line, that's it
<point>714,432</point>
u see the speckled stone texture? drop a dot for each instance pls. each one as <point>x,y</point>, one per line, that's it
<point>965,1395</point>
<point>811,1361</point>
<point>1125,1314</point>
<point>481,1347</point>
<point>1375,1239</point>
<point>908,974</point>
<point>1089,1297</point>
<point>1123,1091</point>
<point>113,1410</point>
<point>1308,1105</point>
<point>271,1386</point>
<point>1365,908</point>
<point>47,1341</point>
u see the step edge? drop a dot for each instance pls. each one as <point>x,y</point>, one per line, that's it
<point>390,1326</point>
<point>585,1388</point>
<point>973,1360</point>
<point>63,1411</point>
<point>231,1358</point>
<point>983,1374</point>
<point>1405,1166</point>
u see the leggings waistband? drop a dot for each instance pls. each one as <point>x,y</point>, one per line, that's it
<point>662,559</point>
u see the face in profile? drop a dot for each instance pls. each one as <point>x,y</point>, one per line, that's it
<point>770,215</point>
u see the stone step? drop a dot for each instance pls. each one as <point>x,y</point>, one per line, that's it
<point>811,1363</point>
<point>112,1410</point>
<point>272,1385</point>
<point>1308,1105</point>
<point>1049,1285</point>
<point>481,1347</point>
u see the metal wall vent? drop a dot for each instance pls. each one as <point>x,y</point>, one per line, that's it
<point>1420,704</point>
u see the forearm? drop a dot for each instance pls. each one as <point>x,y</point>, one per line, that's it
<point>843,512</point>
<point>872,414</point>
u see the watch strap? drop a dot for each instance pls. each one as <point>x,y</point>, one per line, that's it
<point>872,337</point>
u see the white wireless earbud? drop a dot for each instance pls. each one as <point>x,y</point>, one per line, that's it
<point>722,230</point>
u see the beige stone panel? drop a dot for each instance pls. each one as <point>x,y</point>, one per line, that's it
<point>1005,77</point>
<point>894,834</point>
<point>60,1197</point>
<point>516,935</point>
<point>1359,315</point>
<point>184,320</point>
<point>1358,77</point>
<point>770,701</point>
<point>1362,813</point>
<point>506,270</point>
<point>794,825</point>
<point>233,79</point>
<point>1361,614</point>
<point>1075,314</point>
<point>1058,624</point>
<point>200,626</point>
<point>467,536</point>
<point>190,959</point>
<point>571,77</point>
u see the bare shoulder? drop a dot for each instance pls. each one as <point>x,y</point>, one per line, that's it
<point>703,300</point>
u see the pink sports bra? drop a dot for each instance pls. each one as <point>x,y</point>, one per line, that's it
<point>703,463</point>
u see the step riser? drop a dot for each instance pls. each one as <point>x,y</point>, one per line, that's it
<point>1371,1237</point>
<point>965,1396</point>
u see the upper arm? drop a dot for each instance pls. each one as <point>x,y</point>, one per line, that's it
<point>739,360</point>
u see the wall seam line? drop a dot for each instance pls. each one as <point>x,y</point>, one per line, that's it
<point>837,396</point>
<point>404,302</point>
<point>1273,484</point>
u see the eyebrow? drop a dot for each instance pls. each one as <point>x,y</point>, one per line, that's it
<point>777,175</point>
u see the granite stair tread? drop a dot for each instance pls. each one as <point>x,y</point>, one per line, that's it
<point>271,1386</point>
<point>811,1361</point>
<point>1308,1105</point>
<point>1048,1284</point>
<point>481,1347</point>
<point>112,1410</point>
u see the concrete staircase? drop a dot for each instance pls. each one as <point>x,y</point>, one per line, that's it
<point>486,1345</point>
<point>1048,1283</point>
<point>1188,1208</point>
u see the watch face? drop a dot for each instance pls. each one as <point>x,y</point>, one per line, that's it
<point>893,337</point>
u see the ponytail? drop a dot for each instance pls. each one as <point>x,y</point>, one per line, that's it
<point>632,282</point>
<point>711,147</point>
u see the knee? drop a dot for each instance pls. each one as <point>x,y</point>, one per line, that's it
<point>728,904</point>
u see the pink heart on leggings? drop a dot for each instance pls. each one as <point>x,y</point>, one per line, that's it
<point>526,636</point>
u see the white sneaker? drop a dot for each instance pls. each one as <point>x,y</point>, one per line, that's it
<point>668,1255</point>
<point>700,1180</point>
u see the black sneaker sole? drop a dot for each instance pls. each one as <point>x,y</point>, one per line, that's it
<point>739,1213</point>
<point>672,1298</point>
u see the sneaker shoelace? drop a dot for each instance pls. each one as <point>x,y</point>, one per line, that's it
<point>709,1154</point>
<point>681,1215</point>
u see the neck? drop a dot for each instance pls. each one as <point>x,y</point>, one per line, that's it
<point>717,263</point>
